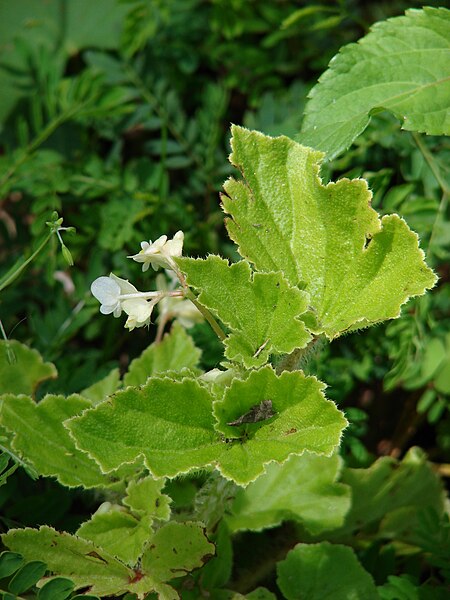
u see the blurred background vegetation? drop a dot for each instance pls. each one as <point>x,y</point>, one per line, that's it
<point>116,113</point>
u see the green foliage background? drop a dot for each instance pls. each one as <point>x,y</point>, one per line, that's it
<point>116,114</point>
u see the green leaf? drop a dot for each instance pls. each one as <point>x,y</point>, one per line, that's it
<point>357,269</point>
<point>26,372</point>
<point>58,588</point>
<point>175,352</point>
<point>69,556</point>
<point>303,489</point>
<point>399,588</point>
<point>170,424</point>
<point>118,533</point>
<point>324,571</point>
<point>144,497</point>
<point>391,488</point>
<point>402,66</point>
<point>304,420</point>
<point>100,390</point>
<point>176,548</point>
<point>261,309</point>
<point>42,440</point>
<point>27,576</point>
<point>9,563</point>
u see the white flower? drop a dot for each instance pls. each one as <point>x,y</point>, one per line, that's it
<point>113,293</point>
<point>160,253</point>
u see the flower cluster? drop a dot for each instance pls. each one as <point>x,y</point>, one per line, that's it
<point>116,295</point>
<point>160,253</point>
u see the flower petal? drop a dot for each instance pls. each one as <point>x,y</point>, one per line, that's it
<point>106,290</point>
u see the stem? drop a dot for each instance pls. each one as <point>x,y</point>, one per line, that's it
<point>190,296</point>
<point>441,181</point>
<point>19,269</point>
<point>159,295</point>
<point>205,312</point>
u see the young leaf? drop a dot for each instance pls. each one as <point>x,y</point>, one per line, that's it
<point>144,497</point>
<point>304,489</point>
<point>357,269</point>
<point>402,66</point>
<point>319,571</point>
<point>304,420</point>
<point>261,309</point>
<point>26,372</point>
<point>176,548</point>
<point>41,439</point>
<point>118,533</point>
<point>175,352</point>
<point>170,424</point>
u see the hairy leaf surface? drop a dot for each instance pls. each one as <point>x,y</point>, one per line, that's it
<point>144,497</point>
<point>261,309</point>
<point>22,369</point>
<point>304,420</point>
<point>171,424</point>
<point>319,571</point>
<point>118,533</point>
<point>70,556</point>
<point>402,65</point>
<point>175,352</point>
<point>304,488</point>
<point>42,440</point>
<point>175,549</point>
<point>168,422</point>
<point>357,269</point>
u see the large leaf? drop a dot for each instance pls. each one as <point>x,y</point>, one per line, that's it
<point>324,572</point>
<point>40,438</point>
<point>357,269</point>
<point>168,422</point>
<point>402,65</point>
<point>304,420</point>
<point>171,424</point>
<point>175,352</point>
<point>22,369</point>
<point>261,309</point>
<point>304,489</point>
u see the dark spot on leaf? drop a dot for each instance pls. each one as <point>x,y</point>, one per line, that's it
<point>157,502</point>
<point>290,431</point>
<point>174,550</point>
<point>96,555</point>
